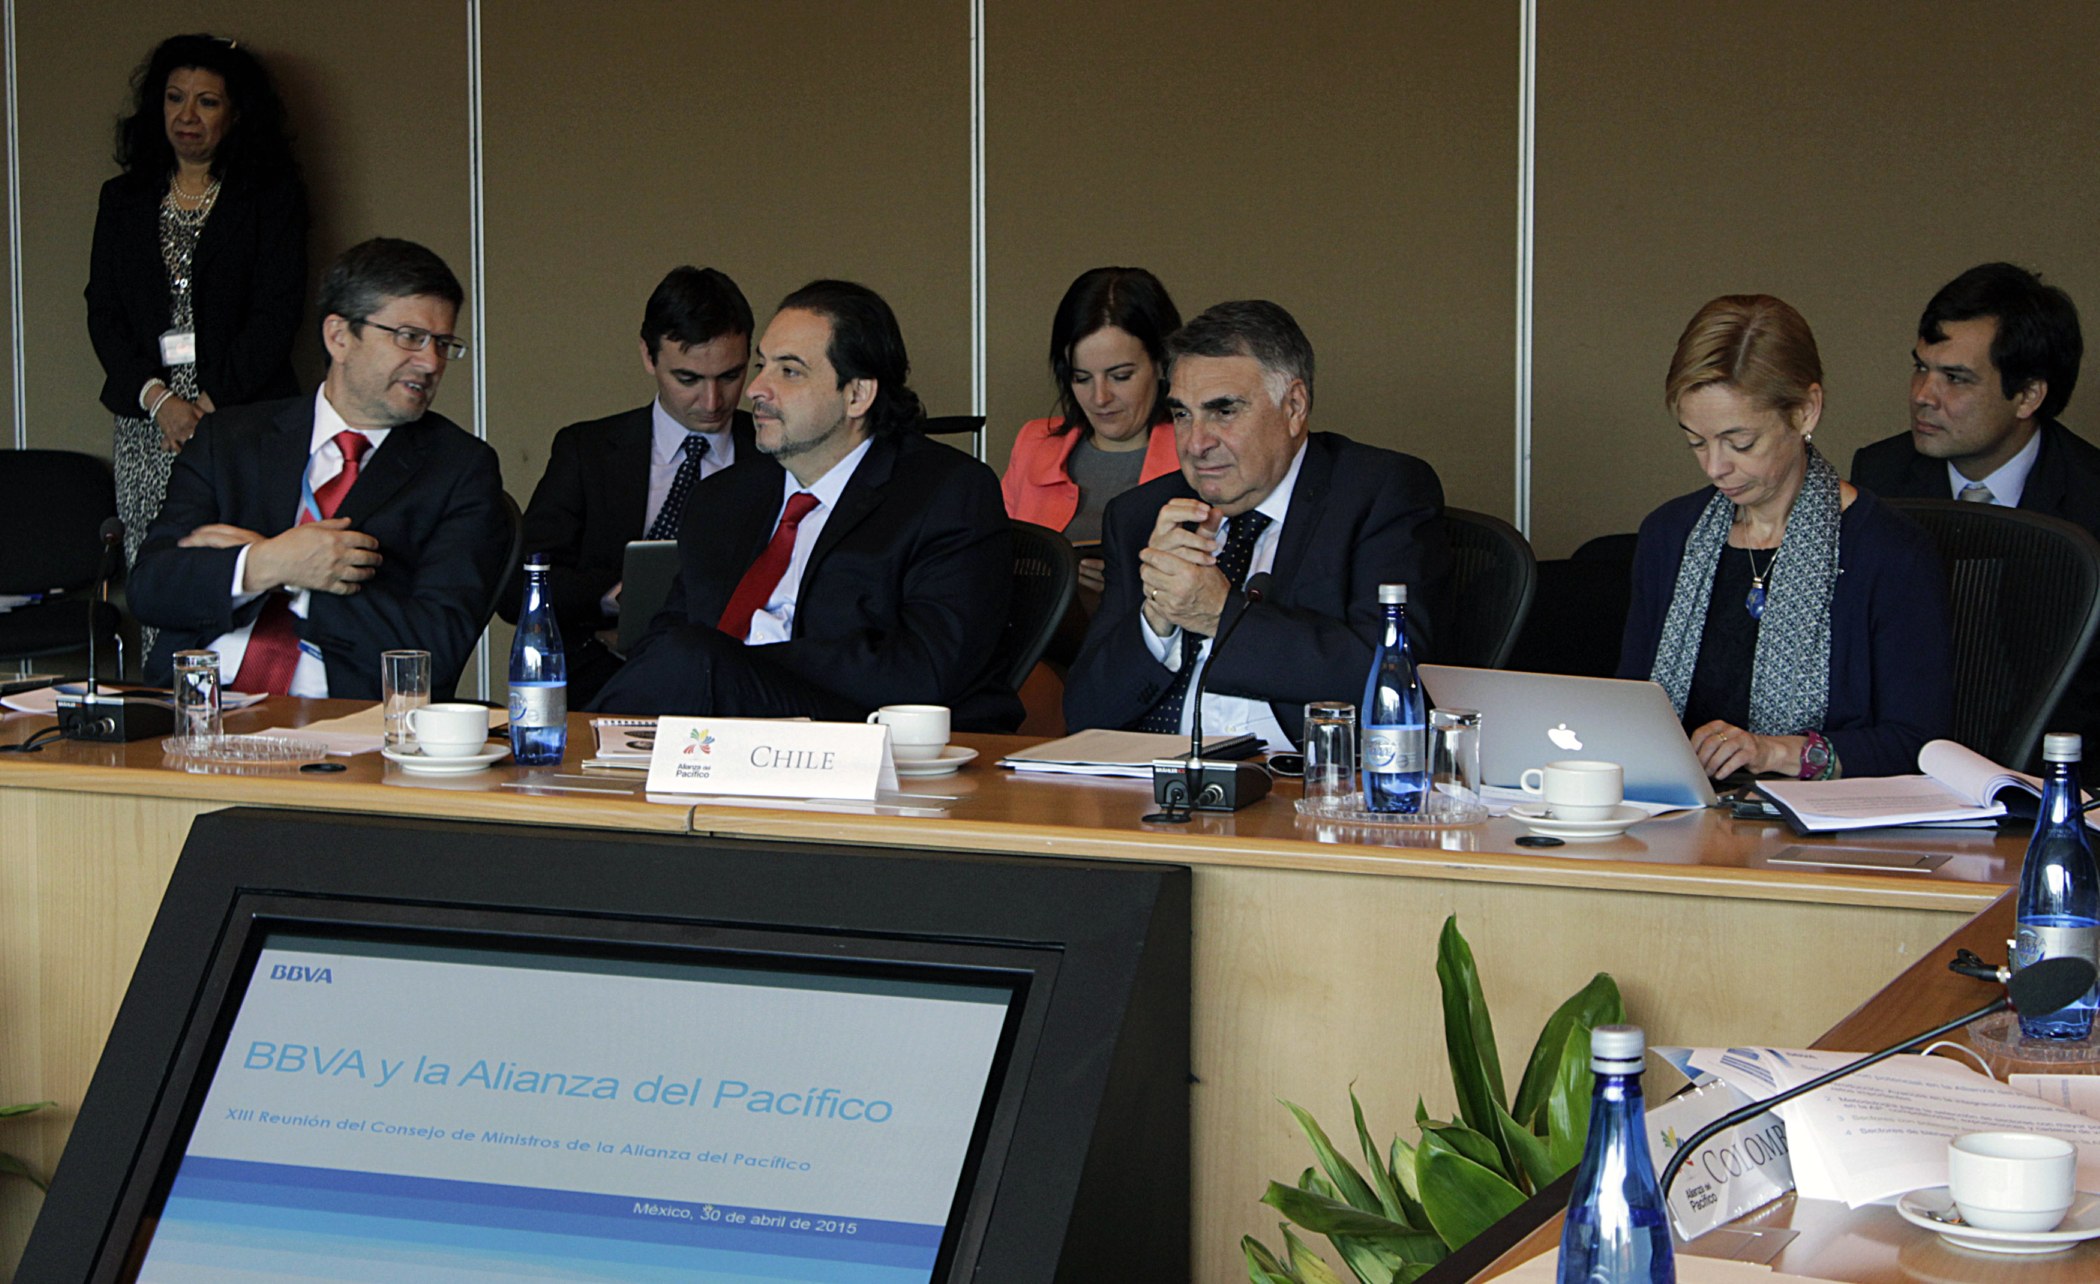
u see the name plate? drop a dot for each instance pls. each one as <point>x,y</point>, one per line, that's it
<point>1734,1173</point>
<point>762,758</point>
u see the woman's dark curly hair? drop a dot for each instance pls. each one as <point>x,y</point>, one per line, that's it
<point>256,146</point>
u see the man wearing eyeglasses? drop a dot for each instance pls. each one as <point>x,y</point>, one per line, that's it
<point>301,538</point>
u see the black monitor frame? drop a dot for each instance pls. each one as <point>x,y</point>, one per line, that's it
<point>1089,1098</point>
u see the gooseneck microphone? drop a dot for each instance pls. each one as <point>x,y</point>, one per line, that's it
<point>2037,989</point>
<point>1183,785</point>
<point>113,717</point>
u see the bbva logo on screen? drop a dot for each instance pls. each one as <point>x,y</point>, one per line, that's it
<point>297,972</point>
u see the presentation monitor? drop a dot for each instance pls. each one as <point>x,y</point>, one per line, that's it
<point>385,1049</point>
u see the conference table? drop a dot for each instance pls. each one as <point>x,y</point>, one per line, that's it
<point>1314,944</point>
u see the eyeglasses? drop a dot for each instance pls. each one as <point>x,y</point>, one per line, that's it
<point>410,339</point>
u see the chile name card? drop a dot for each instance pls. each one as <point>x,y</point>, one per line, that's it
<point>761,758</point>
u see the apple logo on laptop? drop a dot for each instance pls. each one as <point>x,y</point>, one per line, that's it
<point>1563,738</point>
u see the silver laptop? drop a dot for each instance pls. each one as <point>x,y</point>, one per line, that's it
<point>646,575</point>
<point>1528,719</point>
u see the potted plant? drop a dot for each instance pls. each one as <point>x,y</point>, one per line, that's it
<point>1421,1201</point>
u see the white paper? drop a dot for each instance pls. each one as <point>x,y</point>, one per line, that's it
<point>764,758</point>
<point>2078,1092</point>
<point>1871,801</point>
<point>45,699</point>
<point>1101,752</point>
<point>354,733</point>
<point>1885,1130</point>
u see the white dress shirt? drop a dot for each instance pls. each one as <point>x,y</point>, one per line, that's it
<point>2010,481</point>
<point>666,443</point>
<point>1225,714</point>
<point>775,621</point>
<point>324,461</point>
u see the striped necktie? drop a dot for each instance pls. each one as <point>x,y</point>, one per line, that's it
<point>273,644</point>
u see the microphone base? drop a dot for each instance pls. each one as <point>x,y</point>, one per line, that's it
<point>113,718</point>
<point>1206,784</point>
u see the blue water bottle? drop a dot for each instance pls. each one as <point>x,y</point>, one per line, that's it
<point>1618,1230</point>
<point>2058,911</point>
<point>1395,717</point>
<point>539,676</point>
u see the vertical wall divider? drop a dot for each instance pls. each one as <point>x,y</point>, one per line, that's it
<point>978,311</point>
<point>1527,138</point>
<point>477,287</point>
<point>17,343</point>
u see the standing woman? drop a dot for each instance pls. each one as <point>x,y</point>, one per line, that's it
<point>1799,626</point>
<point>1108,348</point>
<point>198,278</point>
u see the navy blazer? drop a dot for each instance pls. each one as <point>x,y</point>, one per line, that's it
<point>2065,482</point>
<point>431,494</point>
<point>593,499</point>
<point>903,601</point>
<point>250,291</point>
<point>1891,642</point>
<point>1359,517</point>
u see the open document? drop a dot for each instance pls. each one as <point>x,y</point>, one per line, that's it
<point>1885,1130</point>
<point>1956,785</point>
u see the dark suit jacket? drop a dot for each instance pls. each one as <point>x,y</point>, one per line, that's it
<point>1891,645</point>
<point>250,291</point>
<point>592,499</point>
<point>2065,483</point>
<point>903,601</point>
<point>1360,517</point>
<point>430,494</point>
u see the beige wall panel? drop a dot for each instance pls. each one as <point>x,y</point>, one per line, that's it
<point>1849,158</point>
<point>778,142</point>
<point>1356,163</point>
<point>381,129</point>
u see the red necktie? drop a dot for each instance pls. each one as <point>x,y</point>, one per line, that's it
<point>756,588</point>
<point>273,644</point>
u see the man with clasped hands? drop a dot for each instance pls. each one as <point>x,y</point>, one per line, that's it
<point>1330,519</point>
<point>301,538</point>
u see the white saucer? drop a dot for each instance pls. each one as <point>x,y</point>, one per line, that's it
<point>1933,1209</point>
<point>1539,819</point>
<point>460,766</point>
<point>951,760</point>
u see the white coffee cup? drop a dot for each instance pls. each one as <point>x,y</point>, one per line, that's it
<point>1577,789</point>
<point>2012,1181</point>
<point>449,730</point>
<point>918,732</point>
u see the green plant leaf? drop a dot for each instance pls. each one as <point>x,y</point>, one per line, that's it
<point>1309,1265</point>
<point>1461,1197</point>
<point>1480,1149</point>
<point>1595,1004</point>
<point>1331,1217</point>
<point>1262,1266</point>
<point>1311,1180</point>
<point>1568,1103</point>
<point>9,1112</point>
<point>1421,1113</point>
<point>1469,1034</point>
<point>1381,1176</point>
<point>10,1164</point>
<point>1403,1166</point>
<point>1348,1182</point>
<point>1534,1157</point>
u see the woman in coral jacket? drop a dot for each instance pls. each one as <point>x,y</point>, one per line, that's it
<point>1111,432</point>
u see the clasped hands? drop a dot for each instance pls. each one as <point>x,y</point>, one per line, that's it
<point>324,556</point>
<point>1178,570</point>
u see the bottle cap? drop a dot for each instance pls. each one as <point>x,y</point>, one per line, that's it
<point>2062,746</point>
<point>537,562</point>
<point>1617,1049</point>
<point>1392,595</point>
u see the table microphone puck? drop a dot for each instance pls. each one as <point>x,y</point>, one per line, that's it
<point>1539,840</point>
<point>323,768</point>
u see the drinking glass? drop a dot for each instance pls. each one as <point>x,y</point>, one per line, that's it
<point>1330,752</point>
<point>1454,758</point>
<point>404,684</point>
<point>198,706</point>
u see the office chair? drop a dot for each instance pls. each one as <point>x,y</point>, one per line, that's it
<point>52,506</point>
<point>1493,578</point>
<point>512,581</point>
<point>1578,611</point>
<point>2025,591</point>
<point>1046,574</point>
